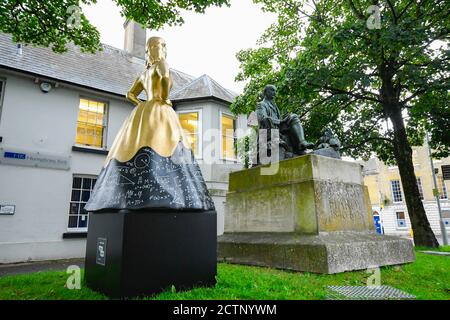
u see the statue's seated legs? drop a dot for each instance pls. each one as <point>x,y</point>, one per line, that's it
<point>291,127</point>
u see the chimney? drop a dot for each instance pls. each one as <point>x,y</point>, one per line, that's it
<point>135,39</point>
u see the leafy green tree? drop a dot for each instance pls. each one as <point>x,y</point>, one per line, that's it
<point>378,75</point>
<point>54,23</point>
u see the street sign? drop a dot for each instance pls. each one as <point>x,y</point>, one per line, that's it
<point>38,159</point>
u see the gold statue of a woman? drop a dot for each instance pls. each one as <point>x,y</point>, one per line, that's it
<point>150,164</point>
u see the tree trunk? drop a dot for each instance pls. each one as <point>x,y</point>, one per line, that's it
<point>423,234</point>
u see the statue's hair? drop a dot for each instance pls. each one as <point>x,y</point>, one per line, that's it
<point>264,91</point>
<point>150,41</point>
<point>153,39</point>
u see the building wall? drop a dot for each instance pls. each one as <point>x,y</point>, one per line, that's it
<point>46,122</point>
<point>379,184</point>
<point>215,169</point>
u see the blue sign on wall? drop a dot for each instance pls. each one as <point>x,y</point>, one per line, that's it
<point>15,155</point>
<point>377,222</point>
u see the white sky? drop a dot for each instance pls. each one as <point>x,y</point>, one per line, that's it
<point>205,43</point>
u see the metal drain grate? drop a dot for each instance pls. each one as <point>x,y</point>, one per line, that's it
<point>366,293</point>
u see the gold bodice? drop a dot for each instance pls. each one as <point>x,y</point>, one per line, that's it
<point>152,123</point>
<point>155,85</point>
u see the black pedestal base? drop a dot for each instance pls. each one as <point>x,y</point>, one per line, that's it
<point>141,253</point>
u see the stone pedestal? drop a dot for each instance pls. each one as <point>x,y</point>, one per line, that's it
<point>133,253</point>
<point>313,215</point>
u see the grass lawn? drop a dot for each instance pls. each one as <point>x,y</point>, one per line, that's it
<point>427,278</point>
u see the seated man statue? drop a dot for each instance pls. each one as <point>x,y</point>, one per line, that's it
<point>292,138</point>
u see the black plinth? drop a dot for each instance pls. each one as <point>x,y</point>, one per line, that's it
<point>148,252</point>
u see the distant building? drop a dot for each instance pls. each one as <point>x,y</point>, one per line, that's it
<point>59,114</point>
<point>388,200</point>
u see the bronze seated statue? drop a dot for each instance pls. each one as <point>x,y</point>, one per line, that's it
<point>292,140</point>
<point>328,145</point>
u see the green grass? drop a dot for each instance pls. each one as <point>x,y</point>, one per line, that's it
<point>427,278</point>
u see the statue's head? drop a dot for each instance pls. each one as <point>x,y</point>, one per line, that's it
<point>156,50</point>
<point>329,132</point>
<point>270,91</point>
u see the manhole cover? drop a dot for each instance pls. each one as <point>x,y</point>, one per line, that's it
<point>366,293</point>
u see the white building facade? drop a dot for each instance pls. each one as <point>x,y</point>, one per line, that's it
<point>59,115</point>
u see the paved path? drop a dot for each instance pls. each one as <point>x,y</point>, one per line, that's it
<point>437,253</point>
<point>29,267</point>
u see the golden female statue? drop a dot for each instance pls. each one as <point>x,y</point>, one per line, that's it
<point>150,164</point>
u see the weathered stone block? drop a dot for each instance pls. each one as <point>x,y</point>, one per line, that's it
<point>308,194</point>
<point>325,253</point>
<point>312,215</point>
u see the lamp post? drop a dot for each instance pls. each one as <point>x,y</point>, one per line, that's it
<point>438,200</point>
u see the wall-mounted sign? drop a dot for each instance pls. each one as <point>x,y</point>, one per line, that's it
<point>20,157</point>
<point>7,209</point>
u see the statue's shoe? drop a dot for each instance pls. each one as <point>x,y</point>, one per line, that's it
<point>306,145</point>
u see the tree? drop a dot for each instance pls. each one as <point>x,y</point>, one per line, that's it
<point>378,75</point>
<point>55,23</point>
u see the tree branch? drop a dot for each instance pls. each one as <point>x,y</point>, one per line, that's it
<point>354,95</point>
<point>355,10</point>
<point>394,14</point>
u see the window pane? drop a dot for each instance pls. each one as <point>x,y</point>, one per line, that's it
<point>73,221</point>
<point>192,138</point>
<point>92,118</point>
<point>441,187</point>
<point>84,104</point>
<point>189,122</point>
<point>228,127</point>
<point>74,207</point>
<point>86,183</point>
<point>76,195</point>
<point>81,191</point>
<point>81,134</point>
<point>93,106</point>
<point>228,147</point>
<point>401,221</point>
<point>85,196</point>
<point>76,183</point>
<point>99,120</point>
<point>83,116</point>
<point>396,191</point>
<point>82,221</point>
<point>419,186</point>
<point>90,123</point>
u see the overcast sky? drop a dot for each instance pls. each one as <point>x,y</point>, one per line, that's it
<point>206,43</point>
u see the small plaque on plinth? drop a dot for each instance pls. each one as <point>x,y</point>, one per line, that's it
<point>101,252</point>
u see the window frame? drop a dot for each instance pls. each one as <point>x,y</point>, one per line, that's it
<point>397,220</point>
<point>105,123</point>
<point>78,229</point>
<point>420,187</point>
<point>199,129</point>
<point>2,95</point>
<point>446,220</point>
<point>442,188</point>
<point>222,113</point>
<point>400,190</point>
